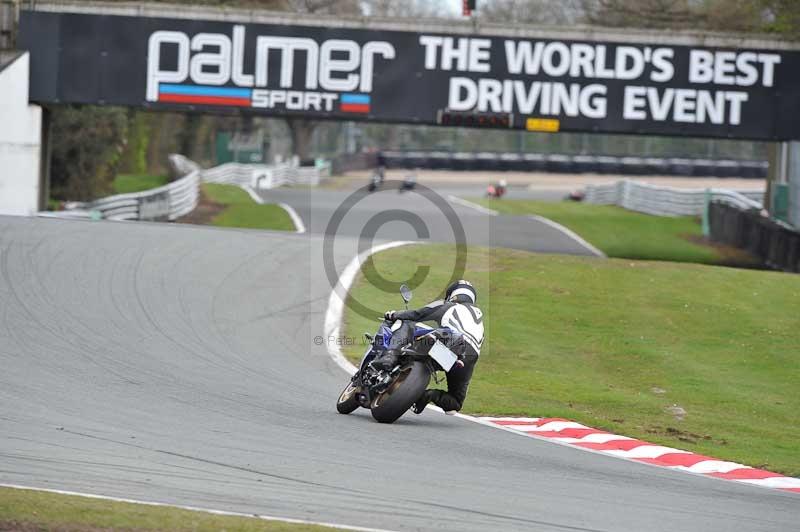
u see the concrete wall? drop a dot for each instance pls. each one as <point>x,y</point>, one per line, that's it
<point>20,139</point>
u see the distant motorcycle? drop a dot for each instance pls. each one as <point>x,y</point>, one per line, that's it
<point>377,180</point>
<point>408,184</point>
<point>496,191</point>
<point>390,393</point>
<point>375,183</point>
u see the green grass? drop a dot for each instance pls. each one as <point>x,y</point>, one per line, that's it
<point>49,510</point>
<point>241,211</point>
<point>619,232</point>
<point>125,183</point>
<point>597,340</point>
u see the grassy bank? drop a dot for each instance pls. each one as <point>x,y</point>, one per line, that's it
<point>35,510</point>
<point>125,183</point>
<point>616,344</point>
<point>230,206</point>
<point>239,210</point>
<point>626,234</point>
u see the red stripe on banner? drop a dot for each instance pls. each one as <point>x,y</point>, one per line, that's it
<point>207,100</point>
<point>355,107</point>
<point>676,459</point>
<point>745,473</point>
<point>614,445</point>
<point>794,490</point>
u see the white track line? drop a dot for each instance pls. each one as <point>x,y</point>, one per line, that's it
<point>253,194</point>
<point>197,509</point>
<point>574,236</point>
<point>299,226</point>
<point>335,312</point>
<point>471,205</point>
<point>557,226</point>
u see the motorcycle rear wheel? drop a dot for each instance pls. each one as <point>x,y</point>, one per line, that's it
<point>401,395</point>
<point>347,399</point>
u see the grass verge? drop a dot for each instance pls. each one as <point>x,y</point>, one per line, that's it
<point>616,344</point>
<point>239,210</point>
<point>30,510</point>
<point>626,234</point>
<point>125,183</point>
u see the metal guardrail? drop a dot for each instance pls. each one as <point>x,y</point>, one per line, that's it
<point>168,202</point>
<point>668,201</point>
<point>266,176</point>
<point>179,198</point>
<point>775,244</point>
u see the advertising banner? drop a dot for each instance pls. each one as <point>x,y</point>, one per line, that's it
<point>421,78</point>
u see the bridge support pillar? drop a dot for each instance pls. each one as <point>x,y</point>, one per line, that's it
<point>20,138</point>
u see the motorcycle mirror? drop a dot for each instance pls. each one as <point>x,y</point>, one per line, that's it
<point>406,293</point>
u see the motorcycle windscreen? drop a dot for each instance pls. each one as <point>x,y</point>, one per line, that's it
<point>442,355</point>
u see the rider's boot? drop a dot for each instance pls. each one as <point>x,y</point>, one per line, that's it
<point>426,397</point>
<point>387,360</point>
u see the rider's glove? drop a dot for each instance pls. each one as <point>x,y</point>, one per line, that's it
<point>390,315</point>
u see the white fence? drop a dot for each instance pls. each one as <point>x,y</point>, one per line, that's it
<point>263,176</point>
<point>168,202</point>
<point>179,198</point>
<point>668,201</point>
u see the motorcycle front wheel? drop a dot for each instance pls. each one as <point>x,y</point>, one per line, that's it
<point>411,381</point>
<point>347,399</point>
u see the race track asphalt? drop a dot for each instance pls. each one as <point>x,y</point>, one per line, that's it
<point>177,364</point>
<point>318,206</point>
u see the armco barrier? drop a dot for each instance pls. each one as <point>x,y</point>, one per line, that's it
<point>776,244</point>
<point>168,202</point>
<point>179,198</point>
<point>668,201</point>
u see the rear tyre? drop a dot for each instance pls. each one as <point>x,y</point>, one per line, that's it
<point>347,399</point>
<point>400,396</point>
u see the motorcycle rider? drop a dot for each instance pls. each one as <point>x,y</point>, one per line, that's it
<point>459,312</point>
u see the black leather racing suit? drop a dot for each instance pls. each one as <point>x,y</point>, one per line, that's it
<point>462,317</point>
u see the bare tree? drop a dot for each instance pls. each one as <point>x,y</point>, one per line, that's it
<point>782,16</point>
<point>642,13</point>
<point>325,7</point>
<point>778,16</point>
<point>563,12</point>
<point>733,15</point>
<point>404,9</point>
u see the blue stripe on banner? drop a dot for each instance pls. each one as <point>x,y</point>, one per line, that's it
<point>355,98</point>
<point>200,90</point>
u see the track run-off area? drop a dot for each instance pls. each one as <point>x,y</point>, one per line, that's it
<point>180,364</point>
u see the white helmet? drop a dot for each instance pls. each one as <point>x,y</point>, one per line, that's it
<point>461,291</point>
